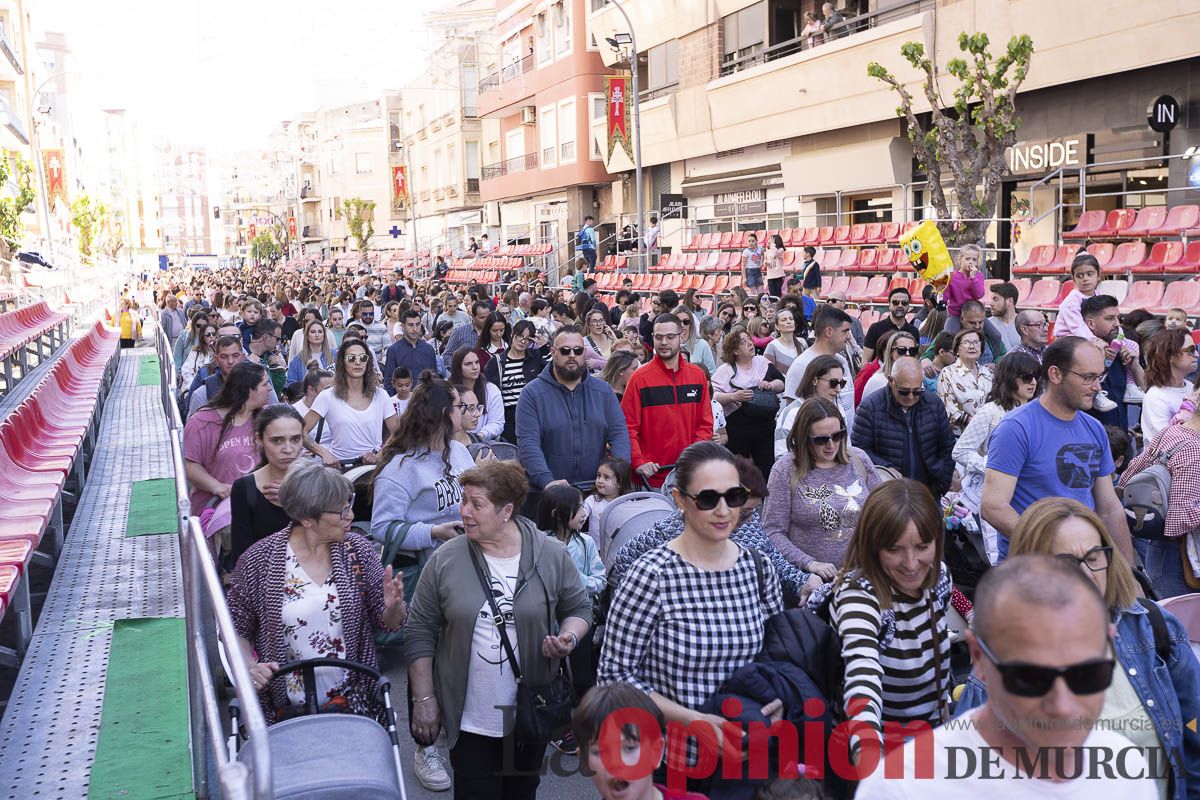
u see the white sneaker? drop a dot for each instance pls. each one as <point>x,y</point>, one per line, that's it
<point>1103,403</point>
<point>430,769</point>
<point>1134,393</point>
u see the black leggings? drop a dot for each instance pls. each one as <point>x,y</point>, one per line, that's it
<point>753,437</point>
<point>480,764</point>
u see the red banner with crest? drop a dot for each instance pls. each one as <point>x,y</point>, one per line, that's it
<point>616,97</point>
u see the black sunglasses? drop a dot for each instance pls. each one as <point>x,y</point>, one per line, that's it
<point>1032,680</point>
<point>899,303</point>
<point>906,351</point>
<point>835,383</point>
<point>909,392</point>
<point>1028,377</point>
<point>835,437</point>
<point>570,351</point>
<point>707,500</point>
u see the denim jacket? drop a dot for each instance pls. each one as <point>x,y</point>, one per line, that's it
<point>1170,692</point>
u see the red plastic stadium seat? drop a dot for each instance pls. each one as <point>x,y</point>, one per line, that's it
<point>840,284</point>
<point>1089,223</point>
<point>877,289</point>
<point>890,258</point>
<point>1179,219</point>
<point>1143,294</point>
<point>890,232</point>
<point>1039,260</point>
<point>848,260</point>
<point>1023,285</point>
<point>1043,293</point>
<point>1118,218</point>
<point>1127,256</point>
<point>841,234</point>
<point>1103,251</point>
<point>874,233</point>
<point>825,234</point>
<point>857,291</point>
<point>1148,219</point>
<point>812,237</point>
<point>1179,294</point>
<point>867,260</point>
<point>1162,254</point>
<point>858,234</point>
<point>1190,263</point>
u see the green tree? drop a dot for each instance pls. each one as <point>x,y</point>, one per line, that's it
<point>264,248</point>
<point>89,217</point>
<point>14,168</point>
<point>360,218</point>
<point>968,137</point>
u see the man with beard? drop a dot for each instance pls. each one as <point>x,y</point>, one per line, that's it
<point>568,421</point>
<point>666,403</point>
<point>1121,365</point>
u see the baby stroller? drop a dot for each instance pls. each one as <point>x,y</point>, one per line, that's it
<point>503,451</point>
<point>625,518</point>
<point>667,486</point>
<point>331,756</point>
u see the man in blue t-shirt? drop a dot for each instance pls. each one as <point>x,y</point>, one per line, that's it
<point>1048,448</point>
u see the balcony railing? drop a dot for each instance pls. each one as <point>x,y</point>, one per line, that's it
<point>548,154</point>
<point>472,185</point>
<point>13,123</point>
<point>518,164</point>
<point>507,73</point>
<point>658,91</point>
<point>566,151</point>
<point>9,53</point>
<point>851,26</point>
<point>311,232</point>
<point>470,112</point>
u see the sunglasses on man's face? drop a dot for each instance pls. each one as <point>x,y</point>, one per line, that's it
<point>1031,680</point>
<point>708,499</point>
<point>833,438</point>
<point>909,392</point>
<point>570,351</point>
<point>898,303</point>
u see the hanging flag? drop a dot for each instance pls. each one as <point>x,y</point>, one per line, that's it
<point>616,95</point>
<point>292,227</point>
<point>399,187</point>
<point>56,181</point>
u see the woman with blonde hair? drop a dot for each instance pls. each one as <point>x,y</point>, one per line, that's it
<point>315,345</point>
<point>1155,695</point>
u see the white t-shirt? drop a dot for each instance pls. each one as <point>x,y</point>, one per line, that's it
<point>325,436</point>
<point>986,775</point>
<point>400,404</point>
<point>353,432</point>
<point>490,680</point>
<point>1161,403</point>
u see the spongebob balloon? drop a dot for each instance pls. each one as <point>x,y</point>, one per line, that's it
<point>926,250</point>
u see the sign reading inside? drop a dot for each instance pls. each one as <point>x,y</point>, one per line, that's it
<point>1163,114</point>
<point>1025,158</point>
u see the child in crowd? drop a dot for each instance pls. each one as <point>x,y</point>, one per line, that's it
<point>561,515</point>
<point>402,381</point>
<point>603,757</point>
<point>1178,318</point>
<point>1085,271</point>
<point>943,356</point>
<point>1121,447</point>
<point>966,283</point>
<point>614,477</point>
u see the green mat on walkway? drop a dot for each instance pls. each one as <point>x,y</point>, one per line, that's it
<point>148,374</point>
<point>152,508</point>
<point>142,752</point>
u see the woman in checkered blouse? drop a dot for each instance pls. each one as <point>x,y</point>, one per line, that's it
<point>691,612</point>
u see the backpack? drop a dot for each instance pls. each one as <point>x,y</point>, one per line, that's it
<point>1145,497</point>
<point>581,239</point>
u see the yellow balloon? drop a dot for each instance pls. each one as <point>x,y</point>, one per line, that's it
<point>925,249</point>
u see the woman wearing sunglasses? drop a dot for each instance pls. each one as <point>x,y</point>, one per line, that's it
<point>963,385</point>
<point>888,604</point>
<point>825,377</point>
<point>750,425</point>
<point>900,344</point>
<point>691,612</point>
<point>1170,358</point>
<point>1017,382</point>
<point>355,409</point>
<point>199,355</point>
<point>816,491</point>
<point>1151,700</point>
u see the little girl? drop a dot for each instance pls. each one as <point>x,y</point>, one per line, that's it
<point>613,479</point>
<point>561,515</point>
<point>966,283</point>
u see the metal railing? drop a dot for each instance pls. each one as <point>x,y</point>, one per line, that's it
<point>517,164</point>
<point>507,73</point>
<point>210,631</point>
<point>849,27</point>
<point>567,151</point>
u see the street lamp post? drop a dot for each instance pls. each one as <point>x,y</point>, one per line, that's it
<point>637,132</point>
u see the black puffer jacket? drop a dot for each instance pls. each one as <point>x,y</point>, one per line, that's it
<point>881,428</point>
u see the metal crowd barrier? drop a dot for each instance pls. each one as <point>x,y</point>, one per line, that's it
<point>211,635</point>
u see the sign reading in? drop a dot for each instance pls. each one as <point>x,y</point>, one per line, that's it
<point>616,93</point>
<point>1025,158</point>
<point>1163,114</point>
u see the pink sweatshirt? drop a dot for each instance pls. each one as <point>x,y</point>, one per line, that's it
<point>960,289</point>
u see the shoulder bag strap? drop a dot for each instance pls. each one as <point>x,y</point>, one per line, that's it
<point>943,710</point>
<point>1158,623</point>
<point>760,575</point>
<point>497,617</point>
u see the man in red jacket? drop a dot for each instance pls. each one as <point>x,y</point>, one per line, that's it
<point>666,404</point>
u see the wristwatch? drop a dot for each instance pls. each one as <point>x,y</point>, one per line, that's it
<point>574,639</point>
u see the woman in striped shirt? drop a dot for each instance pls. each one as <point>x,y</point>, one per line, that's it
<point>888,604</point>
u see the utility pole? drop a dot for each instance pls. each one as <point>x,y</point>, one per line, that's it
<point>637,135</point>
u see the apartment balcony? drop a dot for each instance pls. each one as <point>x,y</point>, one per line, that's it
<point>309,195</point>
<point>311,233</point>
<point>13,123</point>
<point>472,185</point>
<point>511,166</point>
<point>566,151</point>
<point>10,53</point>
<point>507,73</point>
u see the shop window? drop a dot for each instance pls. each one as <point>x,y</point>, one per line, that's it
<point>744,33</point>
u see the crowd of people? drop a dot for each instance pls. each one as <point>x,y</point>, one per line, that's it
<point>816,469</point>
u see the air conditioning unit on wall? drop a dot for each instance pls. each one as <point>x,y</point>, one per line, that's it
<point>529,115</point>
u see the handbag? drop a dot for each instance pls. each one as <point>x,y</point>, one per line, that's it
<point>542,712</point>
<point>764,403</point>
